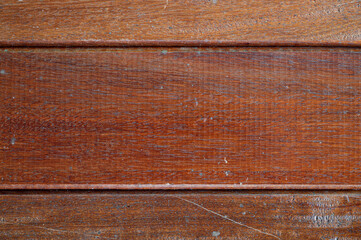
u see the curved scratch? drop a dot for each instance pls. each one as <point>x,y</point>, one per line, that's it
<point>227,218</point>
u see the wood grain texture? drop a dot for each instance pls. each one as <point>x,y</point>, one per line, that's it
<point>180,23</point>
<point>180,118</point>
<point>177,215</point>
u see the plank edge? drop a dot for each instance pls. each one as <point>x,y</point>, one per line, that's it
<point>174,43</point>
<point>182,186</point>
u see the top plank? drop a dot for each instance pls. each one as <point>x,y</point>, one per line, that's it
<point>180,23</point>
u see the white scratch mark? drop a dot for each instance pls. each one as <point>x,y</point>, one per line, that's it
<point>225,160</point>
<point>166,4</point>
<point>348,3</point>
<point>56,230</point>
<point>225,217</point>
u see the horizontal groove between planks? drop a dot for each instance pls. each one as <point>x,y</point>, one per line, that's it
<point>179,187</point>
<point>174,43</point>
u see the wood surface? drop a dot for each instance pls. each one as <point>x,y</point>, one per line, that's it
<point>180,118</point>
<point>180,23</point>
<point>180,215</point>
<point>240,113</point>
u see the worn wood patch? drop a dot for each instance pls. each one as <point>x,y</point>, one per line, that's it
<point>171,118</point>
<point>180,215</point>
<point>180,23</point>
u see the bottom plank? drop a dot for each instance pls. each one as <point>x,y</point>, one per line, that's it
<point>180,215</point>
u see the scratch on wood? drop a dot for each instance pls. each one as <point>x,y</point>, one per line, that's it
<point>348,3</point>
<point>56,230</point>
<point>225,217</point>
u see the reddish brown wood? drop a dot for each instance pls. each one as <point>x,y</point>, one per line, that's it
<point>180,215</point>
<point>179,118</point>
<point>180,23</point>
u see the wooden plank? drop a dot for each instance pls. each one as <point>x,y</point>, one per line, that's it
<point>180,23</point>
<point>179,118</point>
<point>180,215</point>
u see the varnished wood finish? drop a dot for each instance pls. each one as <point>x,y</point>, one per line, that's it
<point>180,23</point>
<point>207,215</point>
<point>235,114</point>
<point>180,118</point>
